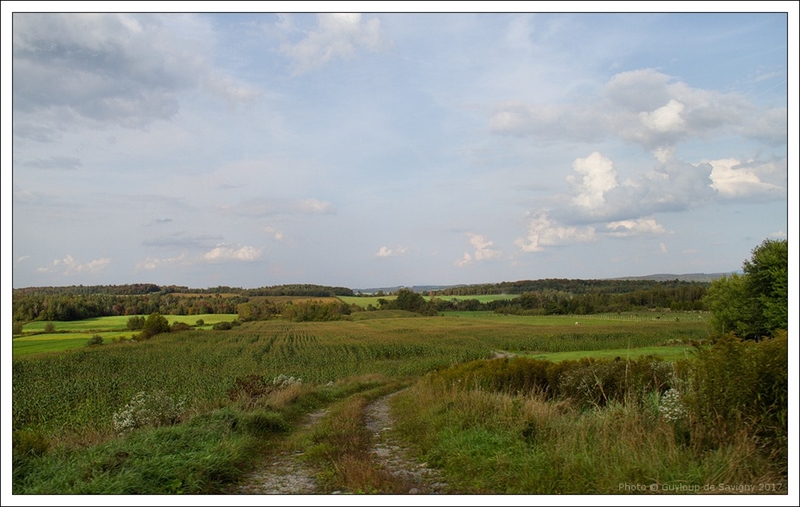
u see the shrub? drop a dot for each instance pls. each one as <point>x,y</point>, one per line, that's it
<point>95,340</point>
<point>28,443</point>
<point>49,327</point>
<point>179,326</point>
<point>135,322</point>
<point>16,328</point>
<point>740,387</point>
<point>200,322</point>
<point>222,326</point>
<point>153,409</point>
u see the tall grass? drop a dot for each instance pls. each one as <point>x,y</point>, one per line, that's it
<point>502,427</point>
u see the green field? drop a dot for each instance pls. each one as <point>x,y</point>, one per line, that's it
<point>75,334</point>
<point>365,301</point>
<point>67,403</point>
<point>667,352</point>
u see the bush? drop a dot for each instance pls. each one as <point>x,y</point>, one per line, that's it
<point>95,340</point>
<point>16,328</point>
<point>135,323</point>
<point>49,327</point>
<point>153,409</point>
<point>179,326</point>
<point>740,387</point>
<point>222,326</point>
<point>200,322</point>
<point>153,325</point>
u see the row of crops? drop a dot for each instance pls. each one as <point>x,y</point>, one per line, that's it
<point>83,388</point>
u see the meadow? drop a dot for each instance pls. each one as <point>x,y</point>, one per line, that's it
<point>214,407</point>
<point>74,334</point>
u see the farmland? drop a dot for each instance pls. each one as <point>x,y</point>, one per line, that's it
<point>67,405</point>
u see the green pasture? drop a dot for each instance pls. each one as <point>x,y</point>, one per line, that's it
<point>75,334</point>
<point>666,352</point>
<point>119,323</point>
<point>365,301</point>
<point>57,342</point>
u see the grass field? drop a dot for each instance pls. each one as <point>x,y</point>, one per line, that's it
<point>667,352</point>
<point>365,301</point>
<point>66,405</point>
<point>75,334</point>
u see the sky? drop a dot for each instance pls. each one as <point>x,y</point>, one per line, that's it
<point>383,149</point>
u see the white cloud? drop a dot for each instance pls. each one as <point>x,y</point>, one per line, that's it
<point>228,253</point>
<point>153,262</point>
<point>666,118</point>
<point>463,261</point>
<point>96,70</point>
<point>647,108</point>
<point>335,36</point>
<point>732,179</point>
<point>544,232</point>
<point>483,250</point>
<point>274,233</point>
<point>598,177</point>
<point>388,252</point>
<point>637,227</point>
<point>69,266</point>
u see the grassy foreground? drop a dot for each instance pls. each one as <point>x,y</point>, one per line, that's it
<point>190,412</point>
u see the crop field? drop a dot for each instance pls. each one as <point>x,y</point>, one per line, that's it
<point>365,301</point>
<point>84,387</point>
<point>74,334</point>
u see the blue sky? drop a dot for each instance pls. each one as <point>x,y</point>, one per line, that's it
<point>384,149</point>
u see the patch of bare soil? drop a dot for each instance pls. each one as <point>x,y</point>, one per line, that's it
<point>285,473</point>
<point>396,458</point>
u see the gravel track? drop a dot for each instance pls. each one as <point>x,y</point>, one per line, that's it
<point>285,473</point>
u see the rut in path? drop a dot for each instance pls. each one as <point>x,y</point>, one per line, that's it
<point>396,458</point>
<point>287,474</point>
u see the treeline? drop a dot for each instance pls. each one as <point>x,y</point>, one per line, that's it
<point>84,302</point>
<point>564,285</point>
<point>677,298</point>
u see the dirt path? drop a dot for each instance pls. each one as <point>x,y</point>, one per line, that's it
<point>285,473</point>
<point>396,458</point>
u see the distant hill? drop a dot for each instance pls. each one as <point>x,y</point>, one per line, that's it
<point>688,277</point>
<point>660,277</point>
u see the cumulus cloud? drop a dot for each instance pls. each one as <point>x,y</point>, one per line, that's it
<point>545,232</point>
<point>152,263</point>
<point>647,108</point>
<point>69,266</point>
<point>335,36</point>
<point>482,247</point>
<point>274,233</point>
<point>389,252</point>
<point>598,176</point>
<point>637,227</point>
<point>126,69</point>
<point>734,179</point>
<point>596,194</point>
<point>483,250</point>
<point>229,253</point>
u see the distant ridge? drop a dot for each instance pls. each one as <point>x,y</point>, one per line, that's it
<point>659,277</point>
<point>688,277</point>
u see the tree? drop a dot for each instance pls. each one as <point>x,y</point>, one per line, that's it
<point>135,322</point>
<point>767,285</point>
<point>155,324</point>
<point>756,303</point>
